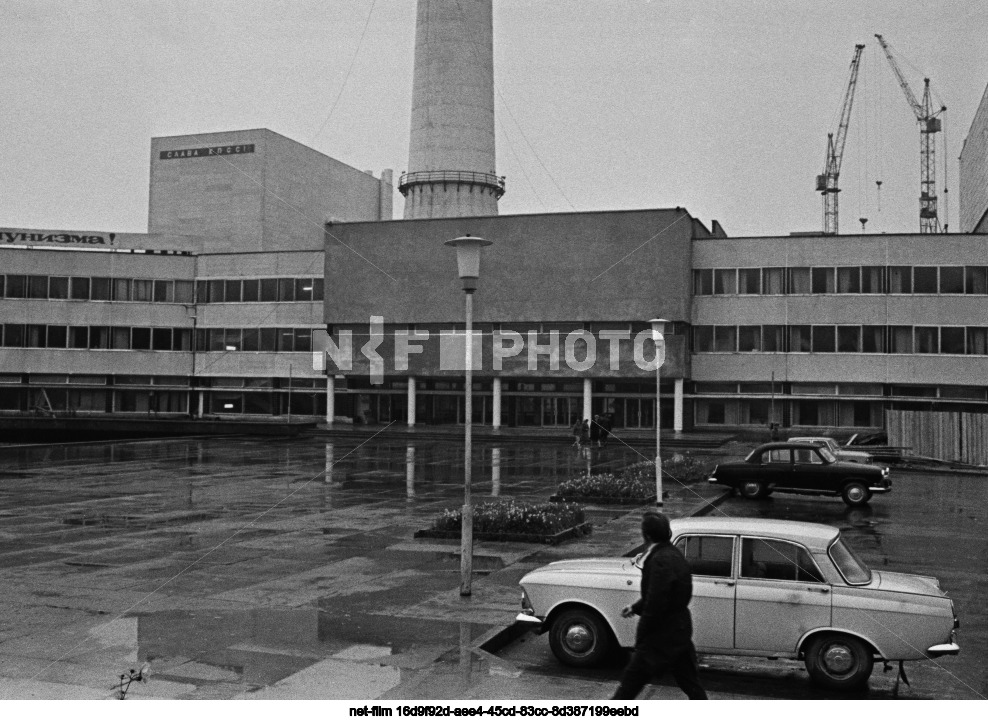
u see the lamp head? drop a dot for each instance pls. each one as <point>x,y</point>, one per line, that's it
<point>468,258</point>
<point>658,328</point>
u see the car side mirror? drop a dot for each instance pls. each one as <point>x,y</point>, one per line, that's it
<point>639,561</point>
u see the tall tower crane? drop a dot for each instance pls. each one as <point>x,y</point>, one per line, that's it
<point>929,126</point>
<point>826,182</point>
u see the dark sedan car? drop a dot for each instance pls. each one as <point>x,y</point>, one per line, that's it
<point>802,468</point>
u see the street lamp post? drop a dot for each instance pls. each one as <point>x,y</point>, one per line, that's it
<point>468,264</point>
<point>658,326</point>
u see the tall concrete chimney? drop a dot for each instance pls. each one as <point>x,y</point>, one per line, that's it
<point>451,147</point>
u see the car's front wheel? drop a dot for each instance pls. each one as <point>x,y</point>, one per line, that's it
<point>580,637</point>
<point>838,662</point>
<point>856,493</point>
<point>753,489</point>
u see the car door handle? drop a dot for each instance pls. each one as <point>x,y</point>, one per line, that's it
<point>723,583</point>
<point>818,589</point>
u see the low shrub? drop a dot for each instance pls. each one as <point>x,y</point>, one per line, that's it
<point>511,517</point>
<point>607,485</point>
<point>684,468</point>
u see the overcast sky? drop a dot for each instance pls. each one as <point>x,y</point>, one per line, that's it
<point>722,107</point>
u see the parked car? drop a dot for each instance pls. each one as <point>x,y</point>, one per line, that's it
<point>804,468</point>
<point>761,588</point>
<point>843,453</point>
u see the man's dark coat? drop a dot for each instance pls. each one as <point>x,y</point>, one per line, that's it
<point>665,627</point>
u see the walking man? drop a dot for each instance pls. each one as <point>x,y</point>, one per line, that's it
<point>664,639</point>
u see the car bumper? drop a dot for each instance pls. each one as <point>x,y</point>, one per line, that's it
<point>528,618</point>
<point>881,489</point>
<point>943,649</point>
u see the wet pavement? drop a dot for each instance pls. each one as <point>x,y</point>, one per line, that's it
<point>275,568</point>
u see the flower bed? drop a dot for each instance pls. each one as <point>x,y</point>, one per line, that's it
<point>512,521</point>
<point>635,484</point>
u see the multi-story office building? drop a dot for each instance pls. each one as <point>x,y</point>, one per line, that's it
<point>257,244</point>
<point>213,311</point>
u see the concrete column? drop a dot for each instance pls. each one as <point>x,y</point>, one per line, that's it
<point>587,398</point>
<point>202,404</point>
<point>330,400</point>
<point>411,401</point>
<point>496,398</point>
<point>410,473</point>
<point>677,406</point>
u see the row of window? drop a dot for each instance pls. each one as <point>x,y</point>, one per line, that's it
<point>16,335</point>
<point>259,290</point>
<point>869,279</point>
<point>954,340</point>
<point>57,287</point>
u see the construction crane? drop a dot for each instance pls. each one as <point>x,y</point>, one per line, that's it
<point>929,126</point>
<point>826,182</point>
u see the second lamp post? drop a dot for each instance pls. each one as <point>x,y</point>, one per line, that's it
<point>468,263</point>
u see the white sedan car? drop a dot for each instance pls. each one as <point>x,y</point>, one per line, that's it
<point>843,453</point>
<point>761,587</point>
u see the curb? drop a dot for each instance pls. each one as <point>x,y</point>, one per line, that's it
<point>497,639</point>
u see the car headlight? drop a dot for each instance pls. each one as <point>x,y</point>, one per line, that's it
<point>526,604</point>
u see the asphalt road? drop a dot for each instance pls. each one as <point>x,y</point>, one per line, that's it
<point>931,524</point>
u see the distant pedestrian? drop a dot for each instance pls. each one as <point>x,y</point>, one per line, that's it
<point>773,431</point>
<point>606,424</point>
<point>585,433</point>
<point>664,639</point>
<point>577,433</point>
<point>595,430</point>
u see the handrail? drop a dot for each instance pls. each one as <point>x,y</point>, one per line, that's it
<point>422,177</point>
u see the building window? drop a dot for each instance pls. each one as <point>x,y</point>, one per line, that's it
<point>822,280</point>
<point>286,340</point>
<point>232,291</point>
<point>140,339</point>
<point>80,288</point>
<point>269,290</point>
<point>925,279</point>
<point>164,291</point>
<point>251,339</point>
<point>57,336</point>
<point>749,338</point>
<point>16,286</point>
<point>303,289</point>
<point>976,279</point>
<point>120,338</point>
<point>977,341</point>
<point>900,339</point>
<point>100,288</point>
<point>703,338</point>
<point>725,338</point>
<point>303,340</point>
<point>252,290</point>
<point>161,339</point>
<point>800,340</point>
<point>848,339</point>
<point>872,339</point>
<point>824,340</point>
<point>773,281</point>
<point>900,279</point>
<point>873,279</point>
<point>725,281</point>
<point>849,280</point>
<point>121,288</point>
<point>58,287</point>
<point>37,286</point>
<point>773,338</point>
<point>269,339</point>
<point>35,336</point>
<point>99,337</point>
<point>286,289</point>
<point>703,282</point>
<point>232,339</point>
<point>142,290</point>
<point>951,279</point>
<point>184,291</point>
<point>799,281</point>
<point>952,341</point>
<point>79,336</point>
<point>750,281</point>
<point>318,285</point>
<point>927,340</point>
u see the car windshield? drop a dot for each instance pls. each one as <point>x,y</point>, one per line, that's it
<point>852,568</point>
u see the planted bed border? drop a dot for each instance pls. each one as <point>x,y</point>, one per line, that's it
<point>582,529</point>
<point>604,500</point>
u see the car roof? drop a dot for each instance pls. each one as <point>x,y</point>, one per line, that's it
<point>784,444</point>
<point>806,439</point>
<point>815,536</point>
